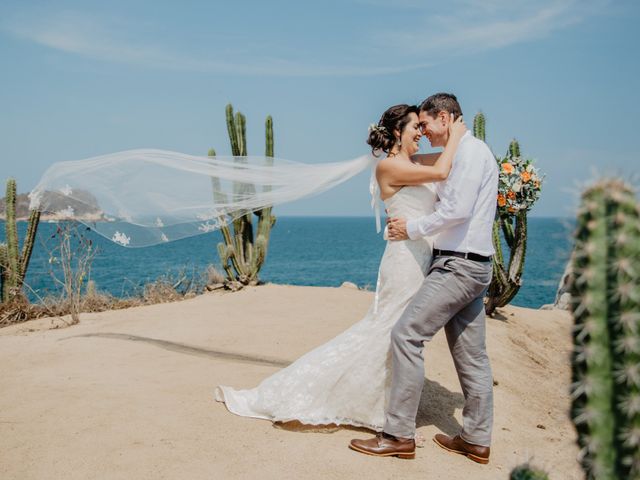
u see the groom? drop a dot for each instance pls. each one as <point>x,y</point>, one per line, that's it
<point>451,296</point>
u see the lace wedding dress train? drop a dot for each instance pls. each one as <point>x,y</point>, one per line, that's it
<point>347,379</point>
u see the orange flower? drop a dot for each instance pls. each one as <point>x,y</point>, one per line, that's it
<point>511,195</point>
<point>507,168</point>
<point>501,200</point>
<point>512,210</point>
<point>526,176</point>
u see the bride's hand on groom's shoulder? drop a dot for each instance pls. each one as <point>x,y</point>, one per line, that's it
<point>397,229</point>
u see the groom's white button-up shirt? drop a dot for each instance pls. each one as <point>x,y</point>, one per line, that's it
<point>466,207</point>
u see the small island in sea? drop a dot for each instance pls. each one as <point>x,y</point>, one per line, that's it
<point>82,206</point>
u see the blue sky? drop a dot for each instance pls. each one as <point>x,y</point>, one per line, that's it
<point>84,78</point>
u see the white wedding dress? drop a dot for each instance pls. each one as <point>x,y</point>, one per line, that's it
<point>347,380</point>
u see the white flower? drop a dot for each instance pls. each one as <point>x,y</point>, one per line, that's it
<point>164,238</point>
<point>374,127</point>
<point>66,213</point>
<point>208,227</point>
<point>208,216</point>
<point>66,190</point>
<point>159,222</point>
<point>120,238</point>
<point>517,186</point>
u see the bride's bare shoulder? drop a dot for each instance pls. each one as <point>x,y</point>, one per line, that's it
<point>384,165</point>
<point>384,170</point>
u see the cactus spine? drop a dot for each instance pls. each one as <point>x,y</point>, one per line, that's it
<point>12,239</point>
<point>4,287</point>
<point>605,300</point>
<point>242,254</point>
<point>507,277</point>
<point>266,220</point>
<point>526,472</point>
<point>13,263</point>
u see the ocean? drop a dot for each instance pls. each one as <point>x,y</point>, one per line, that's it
<point>316,251</point>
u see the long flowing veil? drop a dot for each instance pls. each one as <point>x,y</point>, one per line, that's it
<point>144,197</point>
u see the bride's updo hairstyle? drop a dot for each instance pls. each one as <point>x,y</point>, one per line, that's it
<point>381,136</point>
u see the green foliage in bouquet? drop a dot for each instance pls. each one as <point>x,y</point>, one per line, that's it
<point>605,300</point>
<point>526,472</point>
<point>243,253</point>
<point>518,190</point>
<point>13,263</point>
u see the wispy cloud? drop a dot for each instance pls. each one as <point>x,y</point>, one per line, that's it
<point>96,39</point>
<point>492,24</point>
<point>462,27</point>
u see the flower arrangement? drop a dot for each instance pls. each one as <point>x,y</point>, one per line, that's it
<point>374,127</point>
<point>519,186</point>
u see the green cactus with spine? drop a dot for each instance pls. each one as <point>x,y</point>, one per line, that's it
<point>242,253</point>
<point>13,262</point>
<point>605,300</point>
<point>507,276</point>
<point>3,262</point>
<point>526,472</point>
<point>478,126</point>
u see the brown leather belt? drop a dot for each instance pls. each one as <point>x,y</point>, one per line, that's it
<point>469,255</point>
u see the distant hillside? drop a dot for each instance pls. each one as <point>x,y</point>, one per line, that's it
<point>84,205</point>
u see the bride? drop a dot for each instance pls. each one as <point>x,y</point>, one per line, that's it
<point>346,381</point>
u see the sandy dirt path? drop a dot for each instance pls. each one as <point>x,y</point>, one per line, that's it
<point>128,394</point>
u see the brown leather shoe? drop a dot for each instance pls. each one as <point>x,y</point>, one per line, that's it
<point>456,444</point>
<point>383,445</point>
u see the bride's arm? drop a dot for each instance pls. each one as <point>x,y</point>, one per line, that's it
<point>426,158</point>
<point>403,173</point>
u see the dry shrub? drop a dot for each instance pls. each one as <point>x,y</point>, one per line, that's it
<point>214,277</point>
<point>163,290</point>
<point>20,310</point>
<point>74,254</point>
<point>160,291</point>
<point>97,302</point>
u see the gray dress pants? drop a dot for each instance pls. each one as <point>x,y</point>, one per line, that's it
<point>451,296</point>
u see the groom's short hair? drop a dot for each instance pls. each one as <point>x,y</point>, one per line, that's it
<point>441,102</point>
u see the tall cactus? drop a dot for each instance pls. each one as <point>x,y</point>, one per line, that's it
<point>13,263</point>
<point>605,291</point>
<point>266,219</point>
<point>242,253</point>
<point>514,148</point>
<point>4,287</point>
<point>507,277</point>
<point>478,126</point>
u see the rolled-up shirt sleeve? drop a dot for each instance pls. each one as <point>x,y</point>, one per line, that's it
<point>457,199</point>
